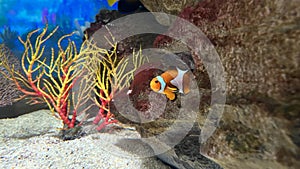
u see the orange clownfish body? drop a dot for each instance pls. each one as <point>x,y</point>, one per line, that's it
<point>170,82</point>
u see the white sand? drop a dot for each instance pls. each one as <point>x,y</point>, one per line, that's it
<point>30,141</point>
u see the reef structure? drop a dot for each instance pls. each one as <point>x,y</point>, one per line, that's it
<point>8,90</point>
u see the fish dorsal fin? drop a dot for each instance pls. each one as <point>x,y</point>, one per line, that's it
<point>178,80</point>
<point>162,84</point>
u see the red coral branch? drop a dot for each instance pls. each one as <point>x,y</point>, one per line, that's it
<point>104,113</point>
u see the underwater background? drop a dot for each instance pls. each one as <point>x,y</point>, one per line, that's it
<point>17,18</point>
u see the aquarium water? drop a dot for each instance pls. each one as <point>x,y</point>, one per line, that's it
<point>23,16</point>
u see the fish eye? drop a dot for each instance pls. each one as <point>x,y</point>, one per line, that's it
<point>156,81</point>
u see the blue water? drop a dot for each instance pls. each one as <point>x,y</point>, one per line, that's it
<point>20,17</point>
<point>23,16</point>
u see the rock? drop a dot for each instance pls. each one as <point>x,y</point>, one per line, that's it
<point>31,141</point>
<point>248,137</point>
<point>259,52</point>
<point>10,106</point>
<point>19,108</point>
<point>257,42</point>
<point>8,90</point>
<point>123,29</point>
<point>173,7</point>
<point>30,125</point>
<point>188,151</point>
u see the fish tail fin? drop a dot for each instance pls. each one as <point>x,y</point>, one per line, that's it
<point>111,2</point>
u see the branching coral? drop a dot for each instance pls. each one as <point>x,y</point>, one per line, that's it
<point>71,76</point>
<point>50,83</point>
<point>112,75</point>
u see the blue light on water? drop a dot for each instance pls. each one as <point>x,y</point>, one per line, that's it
<point>24,15</point>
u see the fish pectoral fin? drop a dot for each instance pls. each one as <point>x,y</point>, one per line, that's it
<point>173,89</point>
<point>170,95</point>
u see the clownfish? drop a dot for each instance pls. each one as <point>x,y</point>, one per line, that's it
<point>170,82</point>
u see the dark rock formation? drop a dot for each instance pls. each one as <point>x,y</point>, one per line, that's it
<point>8,90</point>
<point>9,105</point>
<point>173,7</point>
<point>258,52</point>
<point>102,18</point>
<point>258,45</point>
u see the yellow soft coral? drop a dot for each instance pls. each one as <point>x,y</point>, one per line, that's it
<point>50,83</point>
<point>112,74</point>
